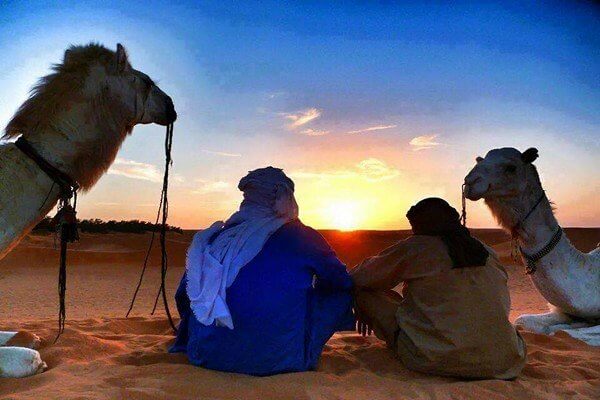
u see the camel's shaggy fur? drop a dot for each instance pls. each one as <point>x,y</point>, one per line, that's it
<point>57,90</point>
<point>78,93</point>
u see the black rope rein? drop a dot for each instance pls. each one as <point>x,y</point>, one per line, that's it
<point>66,228</point>
<point>463,214</point>
<point>162,215</point>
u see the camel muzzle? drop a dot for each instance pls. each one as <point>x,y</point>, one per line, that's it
<point>171,113</point>
<point>475,191</point>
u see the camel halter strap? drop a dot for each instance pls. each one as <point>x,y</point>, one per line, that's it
<point>163,211</point>
<point>532,259</point>
<point>522,222</point>
<point>65,219</point>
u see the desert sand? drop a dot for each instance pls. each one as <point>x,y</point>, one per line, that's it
<point>102,355</point>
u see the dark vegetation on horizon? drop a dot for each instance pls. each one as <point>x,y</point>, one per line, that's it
<point>99,226</point>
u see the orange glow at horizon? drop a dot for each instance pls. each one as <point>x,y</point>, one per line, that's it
<point>346,191</point>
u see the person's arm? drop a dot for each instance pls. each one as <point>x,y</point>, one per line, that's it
<point>330,272</point>
<point>414,257</point>
<point>385,270</point>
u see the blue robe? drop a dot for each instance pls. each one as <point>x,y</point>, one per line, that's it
<point>282,321</point>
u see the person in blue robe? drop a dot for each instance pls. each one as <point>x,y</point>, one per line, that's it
<point>262,292</point>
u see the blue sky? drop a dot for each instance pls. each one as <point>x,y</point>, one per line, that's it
<point>335,93</point>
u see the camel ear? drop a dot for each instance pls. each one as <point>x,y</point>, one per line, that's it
<point>478,159</point>
<point>67,56</point>
<point>529,155</point>
<point>121,61</point>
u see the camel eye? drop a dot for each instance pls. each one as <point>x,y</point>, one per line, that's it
<point>511,169</point>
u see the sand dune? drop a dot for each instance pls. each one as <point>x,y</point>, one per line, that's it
<point>102,355</point>
<point>126,359</point>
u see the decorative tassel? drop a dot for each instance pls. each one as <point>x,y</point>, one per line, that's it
<point>66,226</point>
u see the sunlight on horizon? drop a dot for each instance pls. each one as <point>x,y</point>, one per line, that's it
<point>344,216</point>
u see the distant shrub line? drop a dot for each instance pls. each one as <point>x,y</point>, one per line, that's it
<point>99,226</point>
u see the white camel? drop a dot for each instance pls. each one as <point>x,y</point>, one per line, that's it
<point>567,278</point>
<point>76,118</point>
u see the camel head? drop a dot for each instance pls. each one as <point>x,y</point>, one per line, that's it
<point>133,96</point>
<point>79,115</point>
<point>141,99</point>
<point>502,174</point>
<point>93,84</point>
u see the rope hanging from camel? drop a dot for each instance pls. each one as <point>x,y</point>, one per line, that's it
<point>65,220</point>
<point>463,214</point>
<point>66,226</point>
<point>162,215</point>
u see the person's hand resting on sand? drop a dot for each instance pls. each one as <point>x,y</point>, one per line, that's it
<point>363,322</point>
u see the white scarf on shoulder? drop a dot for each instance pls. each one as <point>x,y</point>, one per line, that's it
<point>212,267</point>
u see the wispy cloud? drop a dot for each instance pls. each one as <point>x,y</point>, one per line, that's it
<point>139,170</point>
<point>374,128</point>
<point>135,170</point>
<point>370,169</point>
<point>221,153</point>
<point>272,95</point>
<point>329,174</point>
<point>206,187</point>
<point>376,170</point>
<point>302,117</point>
<point>424,142</point>
<point>314,132</point>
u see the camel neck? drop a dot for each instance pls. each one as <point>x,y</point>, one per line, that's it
<point>534,232</point>
<point>66,183</point>
<point>81,149</point>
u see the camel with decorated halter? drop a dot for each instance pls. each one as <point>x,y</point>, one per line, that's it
<point>568,279</point>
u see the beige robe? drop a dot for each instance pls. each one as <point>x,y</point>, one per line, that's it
<point>451,321</point>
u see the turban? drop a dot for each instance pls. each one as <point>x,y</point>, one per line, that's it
<point>435,217</point>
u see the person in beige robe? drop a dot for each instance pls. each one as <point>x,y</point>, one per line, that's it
<point>452,316</point>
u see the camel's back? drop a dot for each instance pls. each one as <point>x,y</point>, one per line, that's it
<point>23,188</point>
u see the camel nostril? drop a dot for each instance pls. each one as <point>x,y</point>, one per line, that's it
<point>470,181</point>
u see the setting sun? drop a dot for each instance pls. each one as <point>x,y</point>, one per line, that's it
<point>344,216</point>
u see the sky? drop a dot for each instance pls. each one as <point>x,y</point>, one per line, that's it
<point>367,106</point>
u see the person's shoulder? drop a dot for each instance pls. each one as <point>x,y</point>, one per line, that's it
<point>427,249</point>
<point>422,240</point>
<point>295,232</point>
<point>306,231</point>
<point>294,228</point>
